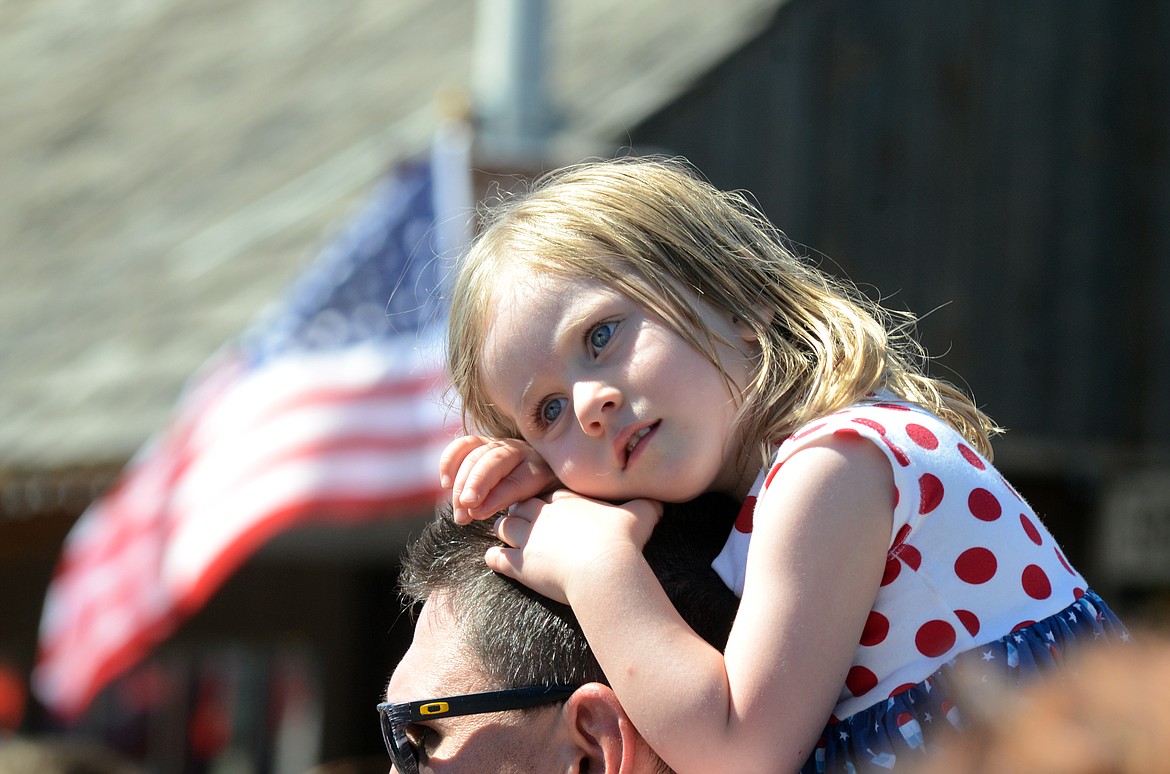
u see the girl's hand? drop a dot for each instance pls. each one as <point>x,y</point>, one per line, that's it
<point>488,474</point>
<point>559,545</point>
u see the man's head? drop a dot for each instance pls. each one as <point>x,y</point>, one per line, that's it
<point>478,632</point>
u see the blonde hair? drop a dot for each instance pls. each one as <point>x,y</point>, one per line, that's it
<point>652,229</point>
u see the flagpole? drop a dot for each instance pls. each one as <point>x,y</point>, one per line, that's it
<point>453,186</point>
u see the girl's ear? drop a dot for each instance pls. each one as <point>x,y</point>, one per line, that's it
<point>746,333</point>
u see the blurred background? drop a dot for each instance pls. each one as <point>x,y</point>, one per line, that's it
<point>178,176</point>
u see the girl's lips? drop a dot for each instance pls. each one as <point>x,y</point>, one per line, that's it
<point>635,440</point>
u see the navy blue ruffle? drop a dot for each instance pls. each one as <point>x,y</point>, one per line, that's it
<point>899,730</point>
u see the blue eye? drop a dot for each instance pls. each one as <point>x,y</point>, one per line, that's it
<point>549,411</point>
<point>601,334</point>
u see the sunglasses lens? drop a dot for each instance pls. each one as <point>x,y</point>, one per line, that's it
<point>402,753</point>
<point>399,747</point>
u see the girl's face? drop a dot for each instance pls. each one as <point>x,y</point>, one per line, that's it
<point>616,402</point>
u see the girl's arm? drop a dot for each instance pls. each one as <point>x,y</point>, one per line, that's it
<point>818,550</point>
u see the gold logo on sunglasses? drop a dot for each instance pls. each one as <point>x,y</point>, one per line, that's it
<point>434,708</point>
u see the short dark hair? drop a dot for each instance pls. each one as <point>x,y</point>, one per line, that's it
<point>521,638</point>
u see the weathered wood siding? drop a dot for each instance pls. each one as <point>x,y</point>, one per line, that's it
<point>1003,163</point>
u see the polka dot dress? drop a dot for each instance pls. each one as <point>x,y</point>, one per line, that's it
<point>969,565</point>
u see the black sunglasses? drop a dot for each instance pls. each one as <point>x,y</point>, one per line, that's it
<point>397,717</point>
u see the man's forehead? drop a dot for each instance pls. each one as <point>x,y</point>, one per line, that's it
<point>436,664</point>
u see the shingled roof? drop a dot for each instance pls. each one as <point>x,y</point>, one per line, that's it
<point>169,166</point>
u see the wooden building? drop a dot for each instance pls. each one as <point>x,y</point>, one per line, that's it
<point>999,168</point>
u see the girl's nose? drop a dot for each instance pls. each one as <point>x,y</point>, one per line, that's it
<point>595,404</point>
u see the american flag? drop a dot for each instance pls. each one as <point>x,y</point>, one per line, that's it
<point>328,407</point>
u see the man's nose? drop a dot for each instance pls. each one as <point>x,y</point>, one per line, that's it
<point>595,403</point>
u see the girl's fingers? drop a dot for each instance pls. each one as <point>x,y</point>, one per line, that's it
<point>485,469</point>
<point>448,462</point>
<point>460,515</point>
<point>453,455</point>
<point>523,480</point>
<point>526,509</point>
<point>505,561</point>
<point>482,470</point>
<point>513,530</point>
<point>563,494</point>
<point>459,491</point>
<point>651,509</point>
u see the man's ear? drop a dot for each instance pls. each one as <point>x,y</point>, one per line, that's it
<point>600,734</point>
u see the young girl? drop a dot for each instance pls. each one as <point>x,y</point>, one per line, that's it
<point>636,335</point>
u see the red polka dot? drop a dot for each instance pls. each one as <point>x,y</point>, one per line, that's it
<point>1036,583</point>
<point>911,556</point>
<point>922,436</point>
<point>931,490</point>
<point>971,457</point>
<point>902,689</point>
<point>899,455</point>
<point>984,505</point>
<point>969,620</point>
<point>1078,592</point>
<point>1030,529</point>
<point>743,522</point>
<point>976,565</point>
<point>1022,625</point>
<point>871,425</point>
<point>934,638</point>
<point>893,567</point>
<point>893,406</point>
<point>847,432</point>
<point>1063,562</point>
<point>877,626</point>
<point>860,681</point>
<point>900,538</point>
<point>897,497</point>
